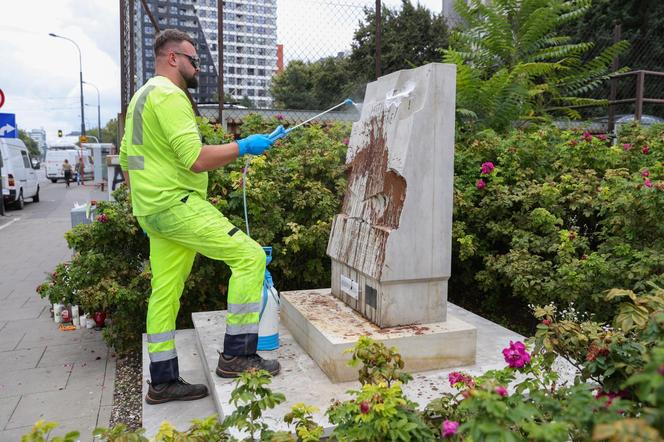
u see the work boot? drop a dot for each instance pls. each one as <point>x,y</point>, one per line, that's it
<point>178,390</point>
<point>234,366</point>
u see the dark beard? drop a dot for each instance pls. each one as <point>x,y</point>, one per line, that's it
<point>192,82</point>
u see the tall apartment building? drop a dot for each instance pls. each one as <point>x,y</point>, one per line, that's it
<point>39,135</point>
<point>250,44</point>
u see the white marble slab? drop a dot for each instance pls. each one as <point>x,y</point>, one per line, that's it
<point>301,380</point>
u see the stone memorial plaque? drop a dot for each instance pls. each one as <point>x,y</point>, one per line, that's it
<point>390,245</point>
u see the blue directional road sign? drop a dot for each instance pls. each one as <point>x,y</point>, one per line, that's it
<point>8,126</point>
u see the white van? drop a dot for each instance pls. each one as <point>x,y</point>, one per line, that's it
<point>19,179</point>
<point>56,157</point>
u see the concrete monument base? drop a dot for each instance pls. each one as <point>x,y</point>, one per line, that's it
<point>302,380</point>
<point>325,327</point>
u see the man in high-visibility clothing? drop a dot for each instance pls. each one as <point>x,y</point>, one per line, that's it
<point>166,167</point>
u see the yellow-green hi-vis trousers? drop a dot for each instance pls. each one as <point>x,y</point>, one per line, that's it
<point>176,235</point>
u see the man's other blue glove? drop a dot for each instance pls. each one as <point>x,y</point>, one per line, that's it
<point>279,132</point>
<point>254,144</point>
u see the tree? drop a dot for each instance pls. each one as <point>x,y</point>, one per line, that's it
<point>109,133</point>
<point>642,24</point>
<point>513,64</point>
<point>316,85</point>
<point>31,144</point>
<point>246,102</point>
<point>411,36</point>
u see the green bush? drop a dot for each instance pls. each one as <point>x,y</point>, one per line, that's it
<point>109,271</point>
<point>556,216</point>
<point>292,193</point>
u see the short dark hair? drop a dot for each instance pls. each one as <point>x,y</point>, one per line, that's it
<point>169,35</point>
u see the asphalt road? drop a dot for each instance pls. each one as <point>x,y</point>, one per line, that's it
<point>55,202</point>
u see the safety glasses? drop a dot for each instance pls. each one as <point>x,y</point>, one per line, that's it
<point>193,59</point>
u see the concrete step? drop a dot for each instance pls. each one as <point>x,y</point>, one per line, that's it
<point>302,380</point>
<point>179,414</point>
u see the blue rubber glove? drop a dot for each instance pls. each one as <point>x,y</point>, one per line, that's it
<point>254,144</point>
<point>278,133</point>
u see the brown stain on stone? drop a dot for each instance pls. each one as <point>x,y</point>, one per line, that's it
<point>379,202</point>
<point>383,187</point>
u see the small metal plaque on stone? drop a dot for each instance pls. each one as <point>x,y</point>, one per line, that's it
<point>349,287</point>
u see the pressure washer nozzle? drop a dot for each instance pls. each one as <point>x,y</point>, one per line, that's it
<point>348,101</point>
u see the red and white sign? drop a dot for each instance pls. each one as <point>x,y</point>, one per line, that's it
<point>2,98</point>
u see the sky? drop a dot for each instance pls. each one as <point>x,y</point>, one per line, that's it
<point>39,74</point>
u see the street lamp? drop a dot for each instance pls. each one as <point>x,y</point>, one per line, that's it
<point>80,71</point>
<point>98,111</point>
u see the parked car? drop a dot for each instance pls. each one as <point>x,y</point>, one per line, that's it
<point>19,179</point>
<point>55,158</point>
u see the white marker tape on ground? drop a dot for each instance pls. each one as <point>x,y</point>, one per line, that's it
<point>9,223</point>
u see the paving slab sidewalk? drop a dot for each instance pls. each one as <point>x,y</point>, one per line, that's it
<point>65,377</point>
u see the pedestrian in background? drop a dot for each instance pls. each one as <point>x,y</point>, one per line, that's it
<point>79,171</point>
<point>66,168</point>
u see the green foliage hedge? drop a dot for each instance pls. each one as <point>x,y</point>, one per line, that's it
<point>558,217</point>
<point>562,218</point>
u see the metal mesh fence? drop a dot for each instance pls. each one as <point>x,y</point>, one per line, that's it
<point>630,93</point>
<point>311,38</point>
<point>644,55</point>
<point>287,58</point>
<point>251,43</point>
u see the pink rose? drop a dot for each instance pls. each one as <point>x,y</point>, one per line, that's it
<point>647,183</point>
<point>587,137</point>
<point>449,428</point>
<point>516,355</point>
<point>610,395</point>
<point>346,141</point>
<point>645,173</point>
<point>645,150</point>
<point>459,378</point>
<point>279,117</point>
<point>102,218</point>
<point>627,147</point>
<point>602,137</point>
<point>480,184</point>
<point>546,322</point>
<point>487,168</point>
<point>502,391</point>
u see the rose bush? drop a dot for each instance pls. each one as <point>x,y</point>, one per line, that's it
<point>541,215</point>
<point>544,215</point>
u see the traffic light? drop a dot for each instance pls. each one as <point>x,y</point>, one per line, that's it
<point>60,133</point>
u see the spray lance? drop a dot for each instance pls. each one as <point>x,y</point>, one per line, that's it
<point>268,325</point>
<point>274,136</point>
